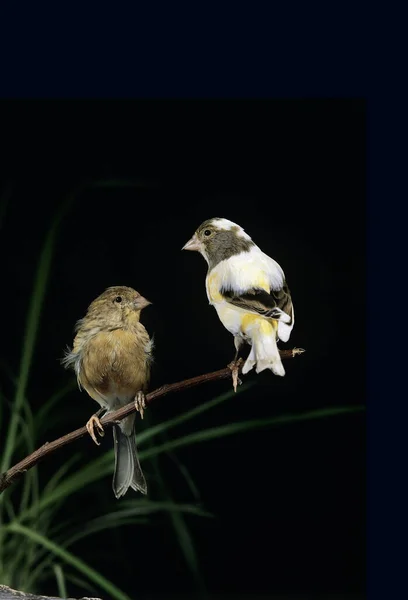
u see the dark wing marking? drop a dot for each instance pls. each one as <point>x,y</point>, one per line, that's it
<point>275,305</point>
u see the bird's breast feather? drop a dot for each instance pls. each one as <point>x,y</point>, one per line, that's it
<point>115,363</point>
<point>243,272</point>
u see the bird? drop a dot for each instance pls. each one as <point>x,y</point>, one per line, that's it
<point>112,355</point>
<point>248,290</point>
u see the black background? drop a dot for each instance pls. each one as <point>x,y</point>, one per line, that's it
<point>289,501</point>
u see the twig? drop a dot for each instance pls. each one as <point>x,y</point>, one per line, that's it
<point>10,476</point>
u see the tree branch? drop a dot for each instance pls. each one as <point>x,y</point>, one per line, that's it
<point>10,476</point>
<point>7,593</point>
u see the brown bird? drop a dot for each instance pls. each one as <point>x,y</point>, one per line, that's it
<point>111,356</point>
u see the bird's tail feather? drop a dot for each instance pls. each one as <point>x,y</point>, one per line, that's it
<point>264,352</point>
<point>128,472</point>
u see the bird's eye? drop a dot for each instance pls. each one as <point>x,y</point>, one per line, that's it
<point>207,232</point>
<point>118,299</point>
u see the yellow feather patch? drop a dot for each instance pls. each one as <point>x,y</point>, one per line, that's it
<point>261,281</point>
<point>266,326</point>
<point>214,288</point>
<point>258,280</point>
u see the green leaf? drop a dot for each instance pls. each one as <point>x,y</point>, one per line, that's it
<point>186,474</point>
<point>187,545</point>
<point>68,558</point>
<point>181,530</point>
<point>33,319</point>
<point>96,469</point>
<point>82,583</point>
<point>31,330</point>
<point>60,473</point>
<point>190,414</point>
<point>60,577</point>
<point>42,415</point>
<point>129,513</point>
<point>103,465</point>
<point>241,426</point>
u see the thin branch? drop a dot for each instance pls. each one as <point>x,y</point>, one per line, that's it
<point>10,476</point>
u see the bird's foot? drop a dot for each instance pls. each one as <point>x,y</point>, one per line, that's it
<point>235,366</point>
<point>140,403</point>
<point>90,427</point>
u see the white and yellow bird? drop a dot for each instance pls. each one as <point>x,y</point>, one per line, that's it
<point>248,290</point>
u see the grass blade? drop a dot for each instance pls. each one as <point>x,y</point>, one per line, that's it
<point>33,318</point>
<point>103,466</point>
<point>190,414</point>
<point>129,513</point>
<point>187,477</point>
<point>182,532</point>
<point>70,559</point>
<point>187,546</point>
<point>97,469</point>
<point>231,428</point>
<point>82,583</point>
<point>59,474</point>
<point>31,329</point>
<point>60,577</point>
<point>148,507</point>
<point>42,418</point>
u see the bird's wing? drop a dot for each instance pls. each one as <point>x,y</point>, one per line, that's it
<point>275,304</point>
<point>256,283</point>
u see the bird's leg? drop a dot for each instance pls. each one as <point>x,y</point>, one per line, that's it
<point>95,422</point>
<point>236,364</point>
<point>140,402</point>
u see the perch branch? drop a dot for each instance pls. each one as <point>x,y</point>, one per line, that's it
<point>10,476</point>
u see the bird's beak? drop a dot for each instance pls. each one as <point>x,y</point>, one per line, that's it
<point>193,244</point>
<point>141,302</point>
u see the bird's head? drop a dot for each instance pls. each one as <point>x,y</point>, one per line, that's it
<point>117,305</point>
<point>218,239</point>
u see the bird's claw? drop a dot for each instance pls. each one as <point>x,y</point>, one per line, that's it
<point>90,427</point>
<point>140,403</point>
<point>235,366</point>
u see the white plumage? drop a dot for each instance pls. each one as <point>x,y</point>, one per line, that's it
<point>232,286</point>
